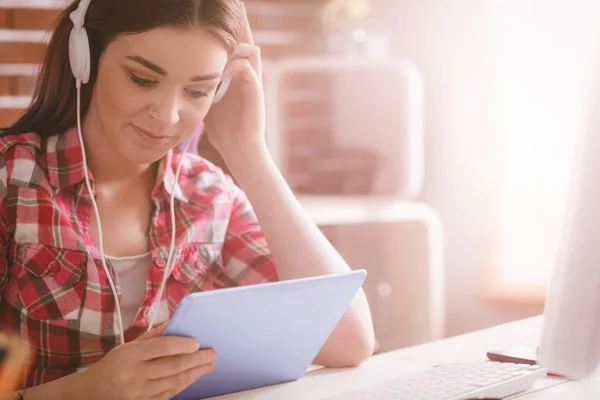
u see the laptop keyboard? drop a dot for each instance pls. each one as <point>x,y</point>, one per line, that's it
<point>454,381</point>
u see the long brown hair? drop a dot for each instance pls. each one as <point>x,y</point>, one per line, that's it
<point>53,106</point>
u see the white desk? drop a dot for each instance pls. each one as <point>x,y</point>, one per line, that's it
<point>322,383</point>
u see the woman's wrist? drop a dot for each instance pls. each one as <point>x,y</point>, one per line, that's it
<point>74,386</point>
<point>247,158</point>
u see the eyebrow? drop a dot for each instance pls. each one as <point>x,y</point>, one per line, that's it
<point>161,71</point>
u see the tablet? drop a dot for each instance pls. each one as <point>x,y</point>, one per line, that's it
<point>263,334</point>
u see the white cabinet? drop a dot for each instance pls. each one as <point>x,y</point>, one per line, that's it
<point>399,241</point>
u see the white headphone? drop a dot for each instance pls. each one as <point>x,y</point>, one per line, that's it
<point>79,45</point>
<point>79,50</point>
<point>80,60</point>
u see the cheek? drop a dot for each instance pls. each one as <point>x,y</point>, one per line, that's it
<point>120,99</point>
<point>192,116</point>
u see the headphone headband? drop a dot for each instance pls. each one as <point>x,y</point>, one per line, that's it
<point>78,16</point>
<point>79,46</point>
<point>79,50</point>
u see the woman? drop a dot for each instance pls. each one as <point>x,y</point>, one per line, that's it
<point>155,67</point>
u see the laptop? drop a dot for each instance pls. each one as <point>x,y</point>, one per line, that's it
<point>263,334</point>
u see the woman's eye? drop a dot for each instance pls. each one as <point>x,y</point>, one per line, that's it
<point>197,94</point>
<point>149,83</point>
<point>145,83</point>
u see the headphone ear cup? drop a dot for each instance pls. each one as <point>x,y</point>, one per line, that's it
<point>221,89</point>
<point>79,54</point>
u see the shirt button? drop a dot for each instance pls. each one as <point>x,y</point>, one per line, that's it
<point>53,266</point>
<point>160,262</point>
<point>202,268</point>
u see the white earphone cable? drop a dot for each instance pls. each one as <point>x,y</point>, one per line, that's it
<point>170,258</point>
<point>78,17</point>
<point>97,214</point>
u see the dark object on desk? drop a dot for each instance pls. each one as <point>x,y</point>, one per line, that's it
<point>518,355</point>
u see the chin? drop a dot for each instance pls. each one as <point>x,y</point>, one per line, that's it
<point>143,150</point>
<point>144,156</point>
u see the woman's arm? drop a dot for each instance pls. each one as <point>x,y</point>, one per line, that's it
<point>236,127</point>
<point>299,249</point>
<point>69,387</point>
<point>151,367</point>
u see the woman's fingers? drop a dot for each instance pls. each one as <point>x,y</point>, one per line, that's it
<point>241,67</point>
<point>165,346</point>
<point>245,51</point>
<point>246,32</point>
<point>169,386</point>
<point>252,53</point>
<point>246,47</point>
<point>172,365</point>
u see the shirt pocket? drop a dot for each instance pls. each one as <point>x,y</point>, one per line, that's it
<point>196,267</point>
<point>50,281</point>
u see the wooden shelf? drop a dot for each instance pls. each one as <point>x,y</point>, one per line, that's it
<point>18,69</point>
<point>14,102</point>
<point>276,38</point>
<point>23,36</point>
<point>264,8</point>
<point>261,37</point>
<point>43,4</point>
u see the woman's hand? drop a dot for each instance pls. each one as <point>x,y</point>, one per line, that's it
<point>237,122</point>
<point>152,367</point>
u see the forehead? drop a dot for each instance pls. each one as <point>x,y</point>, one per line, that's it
<point>174,49</point>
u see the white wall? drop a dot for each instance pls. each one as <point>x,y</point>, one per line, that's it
<point>450,41</point>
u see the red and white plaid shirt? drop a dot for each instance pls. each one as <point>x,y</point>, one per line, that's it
<point>54,291</point>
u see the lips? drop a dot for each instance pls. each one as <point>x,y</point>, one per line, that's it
<point>150,133</point>
<point>151,138</point>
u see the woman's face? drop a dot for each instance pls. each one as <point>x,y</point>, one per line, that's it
<point>155,88</point>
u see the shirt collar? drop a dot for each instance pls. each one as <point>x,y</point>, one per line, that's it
<point>65,165</point>
<point>166,176</point>
<point>64,159</point>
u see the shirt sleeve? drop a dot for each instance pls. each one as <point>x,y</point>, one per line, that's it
<point>245,254</point>
<point>3,226</point>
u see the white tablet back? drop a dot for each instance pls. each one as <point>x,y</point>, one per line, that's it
<point>263,334</point>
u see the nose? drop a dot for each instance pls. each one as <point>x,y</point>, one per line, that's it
<point>166,108</point>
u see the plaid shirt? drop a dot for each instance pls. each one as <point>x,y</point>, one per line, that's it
<point>54,291</point>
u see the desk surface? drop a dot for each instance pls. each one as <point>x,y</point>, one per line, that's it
<point>323,383</point>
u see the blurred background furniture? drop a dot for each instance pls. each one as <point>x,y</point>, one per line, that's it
<point>346,132</point>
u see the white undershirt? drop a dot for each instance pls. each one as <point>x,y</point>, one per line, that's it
<point>132,273</point>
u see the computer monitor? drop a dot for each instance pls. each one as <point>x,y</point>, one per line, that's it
<point>570,343</point>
